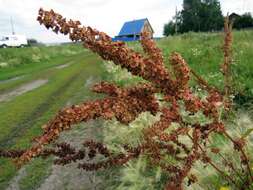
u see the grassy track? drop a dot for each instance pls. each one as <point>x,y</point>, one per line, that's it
<point>49,57</point>
<point>28,72</point>
<point>21,118</point>
<point>16,57</point>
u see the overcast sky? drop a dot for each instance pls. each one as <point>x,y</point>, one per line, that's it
<point>105,15</point>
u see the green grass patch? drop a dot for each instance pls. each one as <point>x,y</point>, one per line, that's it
<point>54,56</point>
<point>203,52</point>
<point>22,117</point>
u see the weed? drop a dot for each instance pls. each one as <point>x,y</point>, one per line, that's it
<point>174,148</point>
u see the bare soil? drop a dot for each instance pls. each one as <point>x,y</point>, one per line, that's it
<point>70,177</point>
<point>22,89</point>
<point>62,66</point>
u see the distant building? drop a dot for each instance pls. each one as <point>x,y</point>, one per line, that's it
<point>131,31</point>
<point>232,17</point>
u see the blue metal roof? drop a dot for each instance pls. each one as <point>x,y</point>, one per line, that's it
<point>125,38</point>
<point>132,27</point>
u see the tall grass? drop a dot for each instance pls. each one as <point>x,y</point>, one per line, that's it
<point>13,57</point>
<point>203,52</point>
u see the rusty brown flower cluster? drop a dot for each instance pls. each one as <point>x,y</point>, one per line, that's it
<point>125,104</point>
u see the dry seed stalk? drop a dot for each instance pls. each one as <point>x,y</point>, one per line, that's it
<point>125,104</point>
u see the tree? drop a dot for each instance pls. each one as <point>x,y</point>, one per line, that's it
<point>190,15</point>
<point>211,16</point>
<point>169,29</point>
<point>198,15</point>
<point>173,26</point>
<point>243,21</point>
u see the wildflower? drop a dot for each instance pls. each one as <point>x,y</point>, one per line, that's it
<point>224,188</point>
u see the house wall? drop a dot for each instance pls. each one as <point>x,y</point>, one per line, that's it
<point>148,29</point>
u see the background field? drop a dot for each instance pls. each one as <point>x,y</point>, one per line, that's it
<point>66,72</point>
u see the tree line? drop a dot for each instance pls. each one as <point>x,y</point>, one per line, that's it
<point>203,16</point>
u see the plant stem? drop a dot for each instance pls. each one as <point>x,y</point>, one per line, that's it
<point>243,154</point>
<point>229,178</point>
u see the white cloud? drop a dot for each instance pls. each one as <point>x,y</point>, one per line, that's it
<point>105,15</point>
<point>238,6</point>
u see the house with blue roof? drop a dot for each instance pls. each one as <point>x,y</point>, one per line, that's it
<point>131,30</point>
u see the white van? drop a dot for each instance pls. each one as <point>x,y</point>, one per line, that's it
<point>13,41</point>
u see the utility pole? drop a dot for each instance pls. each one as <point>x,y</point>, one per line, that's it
<point>176,22</point>
<point>12,27</point>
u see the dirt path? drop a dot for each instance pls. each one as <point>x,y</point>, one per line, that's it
<point>67,177</point>
<point>70,177</point>
<point>22,89</point>
<point>63,66</point>
<point>36,114</point>
<point>14,184</point>
<point>61,177</point>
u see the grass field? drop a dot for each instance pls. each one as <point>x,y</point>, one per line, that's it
<point>204,54</point>
<point>67,71</point>
<point>22,116</point>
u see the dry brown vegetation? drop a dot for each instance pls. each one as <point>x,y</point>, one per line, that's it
<point>125,104</point>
